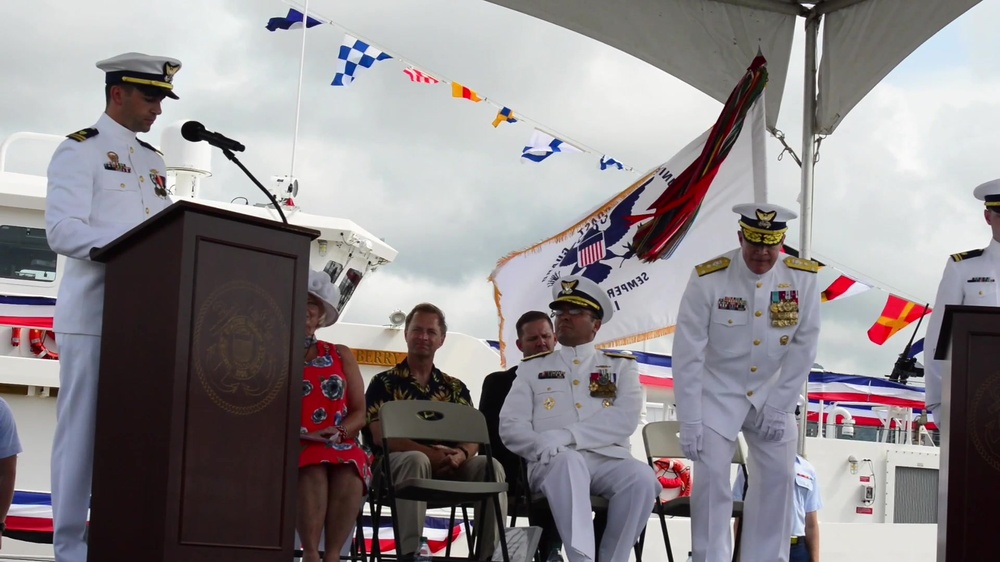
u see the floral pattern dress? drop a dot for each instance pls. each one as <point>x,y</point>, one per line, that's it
<point>324,405</point>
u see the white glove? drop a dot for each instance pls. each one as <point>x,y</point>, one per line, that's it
<point>773,426</point>
<point>548,454</point>
<point>691,440</point>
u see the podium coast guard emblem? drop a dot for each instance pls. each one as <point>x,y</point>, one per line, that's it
<point>235,331</point>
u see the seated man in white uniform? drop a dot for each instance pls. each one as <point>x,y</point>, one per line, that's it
<point>570,414</point>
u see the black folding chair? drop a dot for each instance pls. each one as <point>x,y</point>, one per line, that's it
<point>662,441</point>
<point>426,420</point>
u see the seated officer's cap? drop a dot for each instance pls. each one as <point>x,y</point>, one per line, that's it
<point>141,70</point>
<point>763,223</point>
<point>584,293</point>
<point>990,193</point>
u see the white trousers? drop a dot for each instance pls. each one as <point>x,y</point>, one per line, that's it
<point>73,445</point>
<point>768,506</point>
<point>568,481</point>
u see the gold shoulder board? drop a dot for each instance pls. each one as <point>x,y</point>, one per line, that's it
<point>530,357</point>
<point>83,134</point>
<point>711,266</point>
<point>966,255</point>
<point>802,265</point>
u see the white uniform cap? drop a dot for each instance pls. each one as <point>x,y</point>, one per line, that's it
<point>989,192</point>
<point>763,223</point>
<point>141,70</point>
<point>584,293</point>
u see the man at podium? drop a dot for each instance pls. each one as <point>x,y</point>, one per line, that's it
<point>102,181</point>
<point>969,278</point>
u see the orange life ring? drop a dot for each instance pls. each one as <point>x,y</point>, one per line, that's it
<point>681,476</point>
<point>36,338</point>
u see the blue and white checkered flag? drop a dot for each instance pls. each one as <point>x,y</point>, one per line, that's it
<point>543,145</point>
<point>608,162</point>
<point>355,53</point>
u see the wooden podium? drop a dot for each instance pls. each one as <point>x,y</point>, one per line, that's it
<point>199,398</point>
<point>970,441</point>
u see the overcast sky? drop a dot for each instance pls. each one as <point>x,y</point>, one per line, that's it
<point>430,175</point>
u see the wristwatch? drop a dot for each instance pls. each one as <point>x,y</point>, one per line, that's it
<point>464,450</point>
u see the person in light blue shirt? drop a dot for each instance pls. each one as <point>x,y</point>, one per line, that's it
<point>804,543</point>
<point>10,447</point>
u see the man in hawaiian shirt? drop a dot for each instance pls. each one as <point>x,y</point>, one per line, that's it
<point>416,378</point>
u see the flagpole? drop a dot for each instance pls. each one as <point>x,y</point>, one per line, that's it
<point>298,94</point>
<point>808,163</point>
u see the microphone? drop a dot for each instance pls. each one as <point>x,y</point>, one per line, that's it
<point>194,131</point>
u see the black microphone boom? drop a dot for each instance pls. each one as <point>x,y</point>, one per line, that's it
<point>195,131</point>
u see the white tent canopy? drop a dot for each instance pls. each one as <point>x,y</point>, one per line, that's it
<point>710,43</point>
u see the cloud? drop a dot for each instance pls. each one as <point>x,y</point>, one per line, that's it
<point>430,175</point>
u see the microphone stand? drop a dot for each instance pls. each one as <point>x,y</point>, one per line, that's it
<point>232,157</point>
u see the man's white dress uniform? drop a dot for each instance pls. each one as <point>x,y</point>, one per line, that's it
<point>102,181</point>
<point>970,278</point>
<point>746,340</point>
<point>570,414</point>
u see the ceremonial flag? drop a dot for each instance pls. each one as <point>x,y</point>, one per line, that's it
<point>505,115</point>
<point>542,145</point>
<point>670,215</point>
<point>355,54</point>
<point>419,77</point>
<point>460,91</point>
<point>598,246</point>
<point>292,21</point>
<point>843,287</point>
<point>27,312</point>
<point>897,314</point>
<point>607,162</point>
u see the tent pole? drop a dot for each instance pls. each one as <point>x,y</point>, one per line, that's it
<point>808,163</point>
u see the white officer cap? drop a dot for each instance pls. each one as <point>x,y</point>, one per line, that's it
<point>321,287</point>
<point>989,192</point>
<point>582,292</point>
<point>141,70</point>
<point>763,223</point>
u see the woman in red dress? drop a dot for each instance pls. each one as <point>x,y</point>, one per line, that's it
<point>334,470</point>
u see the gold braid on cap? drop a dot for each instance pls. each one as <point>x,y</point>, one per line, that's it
<point>992,204</point>
<point>756,235</point>
<point>579,301</point>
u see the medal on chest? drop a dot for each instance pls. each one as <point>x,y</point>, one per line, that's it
<point>160,183</point>
<point>602,383</point>
<point>784,308</point>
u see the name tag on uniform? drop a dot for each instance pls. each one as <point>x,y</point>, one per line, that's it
<point>732,303</point>
<point>552,375</point>
<point>981,280</point>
